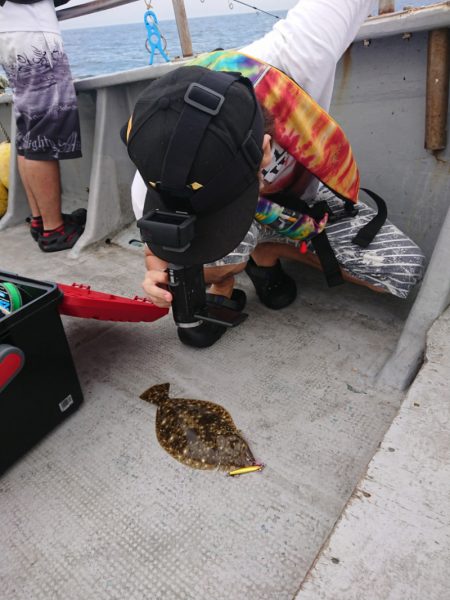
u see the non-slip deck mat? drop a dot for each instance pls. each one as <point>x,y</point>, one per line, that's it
<point>99,511</point>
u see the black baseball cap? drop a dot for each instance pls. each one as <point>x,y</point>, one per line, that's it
<point>196,138</point>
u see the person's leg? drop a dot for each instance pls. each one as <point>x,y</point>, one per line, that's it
<point>220,274</point>
<point>47,131</point>
<point>392,262</point>
<point>269,253</point>
<point>221,279</point>
<point>41,180</point>
<point>34,208</point>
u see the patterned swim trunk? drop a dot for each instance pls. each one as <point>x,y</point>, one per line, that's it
<point>392,262</point>
<point>45,104</point>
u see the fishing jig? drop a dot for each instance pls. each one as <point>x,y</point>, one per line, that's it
<point>243,470</point>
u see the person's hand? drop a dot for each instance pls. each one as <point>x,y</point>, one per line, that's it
<point>156,280</point>
<point>155,287</point>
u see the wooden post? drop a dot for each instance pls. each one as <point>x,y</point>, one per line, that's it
<point>437,90</point>
<point>183,27</point>
<point>386,6</point>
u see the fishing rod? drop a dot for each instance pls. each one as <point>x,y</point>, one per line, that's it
<point>254,8</point>
<point>89,8</point>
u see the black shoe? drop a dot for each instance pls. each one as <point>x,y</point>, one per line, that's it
<point>206,334</point>
<point>79,216</point>
<point>273,286</point>
<point>66,236</point>
<point>37,228</point>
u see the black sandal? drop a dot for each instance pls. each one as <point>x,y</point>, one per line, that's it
<point>78,215</point>
<point>273,286</point>
<point>35,230</point>
<point>66,239</point>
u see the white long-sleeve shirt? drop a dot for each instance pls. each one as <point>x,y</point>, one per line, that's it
<point>39,16</point>
<point>306,45</point>
<point>309,42</point>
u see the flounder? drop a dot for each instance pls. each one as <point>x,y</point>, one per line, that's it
<point>197,433</point>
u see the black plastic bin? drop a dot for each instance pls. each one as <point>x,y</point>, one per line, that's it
<point>45,390</point>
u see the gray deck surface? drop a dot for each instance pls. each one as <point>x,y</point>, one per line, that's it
<point>393,540</point>
<point>98,510</point>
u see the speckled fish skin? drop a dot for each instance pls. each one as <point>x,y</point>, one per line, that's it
<point>197,433</point>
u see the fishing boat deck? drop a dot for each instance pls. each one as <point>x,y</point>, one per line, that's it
<point>114,516</point>
<point>99,510</point>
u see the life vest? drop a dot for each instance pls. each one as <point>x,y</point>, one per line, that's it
<point>302,127</point>
<point>317,143</point>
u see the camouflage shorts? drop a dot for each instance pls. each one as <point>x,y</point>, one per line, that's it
<point>392,262</point>
<point>45,104</point>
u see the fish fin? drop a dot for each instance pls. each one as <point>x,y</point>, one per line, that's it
<point>156,394</point>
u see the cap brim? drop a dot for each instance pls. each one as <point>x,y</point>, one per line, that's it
<point>216,234</point>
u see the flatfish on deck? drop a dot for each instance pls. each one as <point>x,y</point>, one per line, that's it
<point>199,434</point>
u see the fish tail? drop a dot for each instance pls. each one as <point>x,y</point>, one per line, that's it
<point>156,394</point>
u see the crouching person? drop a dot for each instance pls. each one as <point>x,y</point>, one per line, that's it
<point>234,140</point>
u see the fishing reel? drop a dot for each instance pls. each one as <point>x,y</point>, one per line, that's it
<point>10,298</point>
<point>174,231</point>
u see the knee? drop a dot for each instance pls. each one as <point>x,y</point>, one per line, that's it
<point>269,252</point>
<point>221,274</point>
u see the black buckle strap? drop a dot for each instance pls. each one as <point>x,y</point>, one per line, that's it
<point>351,210</point>
<point>320,242</point>
<point>202,103</point>
<point>366,234</point>
<point>328,260</point>
<point>204,98</point>
<point>232,180</point>
<point>252,152</point>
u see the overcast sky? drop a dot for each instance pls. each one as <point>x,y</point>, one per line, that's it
<point>134,12</point>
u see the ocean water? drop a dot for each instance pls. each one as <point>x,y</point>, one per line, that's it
<point>101,50</point>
